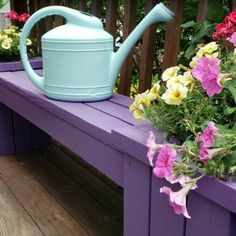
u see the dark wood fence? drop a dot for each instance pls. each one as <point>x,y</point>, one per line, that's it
<point>111,14</point>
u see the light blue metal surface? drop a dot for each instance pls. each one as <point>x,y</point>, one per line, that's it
<point>78,59</point>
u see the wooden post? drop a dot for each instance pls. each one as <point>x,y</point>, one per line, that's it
<point>147,53</point>
<point>129,24</point>
<point>111,16</point>
<point>172,38</point>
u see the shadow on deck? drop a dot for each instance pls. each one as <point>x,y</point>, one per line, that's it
<point>53,192</point>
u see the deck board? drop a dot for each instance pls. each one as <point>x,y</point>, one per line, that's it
<point>54,203</point>
<point>14,220</point>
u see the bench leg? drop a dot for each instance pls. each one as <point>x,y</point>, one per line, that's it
<point>6,131</point>
<point>27,135</point>
<point>136,198</point>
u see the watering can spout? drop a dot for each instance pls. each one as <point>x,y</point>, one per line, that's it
<point>160,13</point>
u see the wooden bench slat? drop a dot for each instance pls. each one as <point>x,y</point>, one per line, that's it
<point>79,114</point>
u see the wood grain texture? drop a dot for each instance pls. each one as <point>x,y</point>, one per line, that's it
<point>213,219</point>
<point>81,202</point>
<point>136,198</point>
<point>49,215</point>
<point>14,219</point>
<point>172,38</point>
<point>163,219</point>
<point>129,23</point>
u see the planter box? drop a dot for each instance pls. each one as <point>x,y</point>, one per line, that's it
<point>36,63</point>
<point>212,205</point>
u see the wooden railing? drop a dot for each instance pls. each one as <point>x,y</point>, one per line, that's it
<point>146,52</point>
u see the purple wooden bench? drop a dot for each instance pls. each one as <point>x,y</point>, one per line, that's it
<point>106,136</point>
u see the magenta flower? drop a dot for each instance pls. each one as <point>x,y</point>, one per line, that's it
<point>208,139</point>
<point>204,154</point>
<point>208,135</point>
<point>178,199</point>
<point>165,161</point>
<point>207,71</point>
<point>232,39</point>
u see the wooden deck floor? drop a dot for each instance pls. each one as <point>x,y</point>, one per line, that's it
<point>53,192</point>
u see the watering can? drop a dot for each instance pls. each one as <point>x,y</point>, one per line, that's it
<point>79,63</point>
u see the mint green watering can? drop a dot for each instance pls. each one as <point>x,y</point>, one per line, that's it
<point>79,63</point>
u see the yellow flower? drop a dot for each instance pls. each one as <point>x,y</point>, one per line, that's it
<point>170,72</point>
<point>9,31</point>
<point>175,94</point>
<point>175,80</point>
<point>138,115</point>
<point>188,78</point>
<point>28,42</point>
<point>6,44</point>
<point>209,50</point>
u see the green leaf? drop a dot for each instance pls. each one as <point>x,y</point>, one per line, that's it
<point>189,24</point>
<point>229,110</point>
<point>190,51</point>
<point>233,92</point>
<point>230,161</point>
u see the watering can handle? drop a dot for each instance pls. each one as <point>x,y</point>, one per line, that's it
<point>72,16</point>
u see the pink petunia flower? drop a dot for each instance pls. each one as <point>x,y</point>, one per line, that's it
<point>232,39</point>
<point>178,199</point>
<point>208,135</point>
<point>165,161</point>
<point>152,147</point>
<point>204,154</point>
<point>181,179</point>
<point>207,71</point>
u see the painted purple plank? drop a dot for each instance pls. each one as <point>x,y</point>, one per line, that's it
<point>95,152</point>
<point>22,133</point>
<point>80,115</point>
<point>121,100</point>
<point>6,130</point>
<point>223,193</point>
<point>40,139</point>
<point>132,140</point>
<point>208,218</point>
<point>163,219</point>
<point>17,65</point>
<point>115,110</point>
<point>136,198</point>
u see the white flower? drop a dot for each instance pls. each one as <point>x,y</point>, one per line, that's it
<point>175,94</point>
<point>6,44</point>
<point>170,73</point>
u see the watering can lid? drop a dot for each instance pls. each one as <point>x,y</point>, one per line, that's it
<point>74,33</point>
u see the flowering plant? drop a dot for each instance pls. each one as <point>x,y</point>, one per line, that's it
<point>196,104</point>
<point>10,37</point>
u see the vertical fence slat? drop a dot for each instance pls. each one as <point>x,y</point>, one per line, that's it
<point>233,4</point>
<point>95,8</point>
<point>172,37</point>
<point>147,52</point>
<point>111,16</point>
<point>129,24</point>
<point>202,10</point>
<point>82,5</point>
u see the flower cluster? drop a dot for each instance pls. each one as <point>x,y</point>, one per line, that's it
<point>197,105</point>
<point>226,30</point>
<point>10,38</point>
<point>12,15</point>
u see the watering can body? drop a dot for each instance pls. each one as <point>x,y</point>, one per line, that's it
<point>78,59</point>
